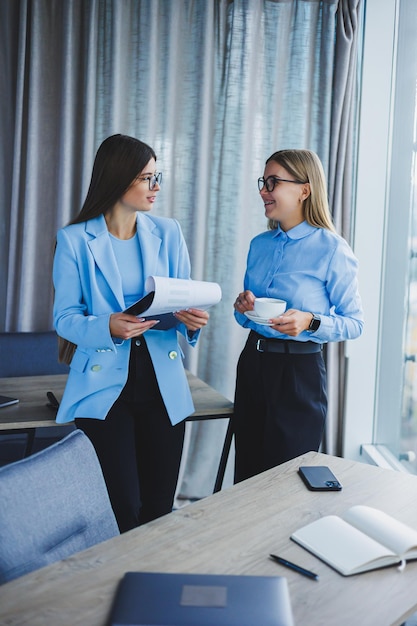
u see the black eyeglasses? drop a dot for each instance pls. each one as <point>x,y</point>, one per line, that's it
<point>272,181</point>
<point>152,180</point>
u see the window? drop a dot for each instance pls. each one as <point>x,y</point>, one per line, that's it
<point>381,411</point>
<point>408,436</point>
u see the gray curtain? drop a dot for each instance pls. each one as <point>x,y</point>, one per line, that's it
<point>215,86</point>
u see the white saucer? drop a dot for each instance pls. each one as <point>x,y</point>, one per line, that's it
<point>263,321</point>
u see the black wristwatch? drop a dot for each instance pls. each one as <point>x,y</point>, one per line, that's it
<point>314,324</point>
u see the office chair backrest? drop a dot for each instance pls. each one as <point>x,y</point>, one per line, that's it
<point>52,504</point>
<point>30,354</point>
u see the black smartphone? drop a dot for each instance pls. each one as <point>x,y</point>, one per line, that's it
<point>319,478</point>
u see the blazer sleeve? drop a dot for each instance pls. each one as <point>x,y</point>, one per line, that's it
<point>72,318</point>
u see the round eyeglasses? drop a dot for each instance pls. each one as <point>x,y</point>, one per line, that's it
<point>272,181</point>
<point>152,180</point>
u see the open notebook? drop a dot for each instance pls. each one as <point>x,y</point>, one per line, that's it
<point>362,539</point>
<point>157,599</point>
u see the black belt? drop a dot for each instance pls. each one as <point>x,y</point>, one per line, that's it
<point>283,346</point>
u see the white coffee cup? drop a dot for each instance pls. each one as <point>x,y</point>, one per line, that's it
<point>269,307</point>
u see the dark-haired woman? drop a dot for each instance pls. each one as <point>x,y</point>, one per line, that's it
<point>127,387</point>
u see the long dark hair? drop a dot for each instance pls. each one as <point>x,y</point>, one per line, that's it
<point>118,162</point>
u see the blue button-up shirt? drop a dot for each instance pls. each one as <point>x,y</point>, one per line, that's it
<point>314,270</point>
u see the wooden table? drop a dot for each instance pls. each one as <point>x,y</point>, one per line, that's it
<point>32,412</point>
<point>233,532</point>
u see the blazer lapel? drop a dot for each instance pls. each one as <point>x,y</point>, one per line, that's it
<point>102,250</point>
<point>150,243</point>
<point>103,254</point>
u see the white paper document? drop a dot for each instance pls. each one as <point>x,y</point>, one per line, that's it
<point>167,295</point>
<point>176,294</point>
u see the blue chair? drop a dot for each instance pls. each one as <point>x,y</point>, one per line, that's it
<point>53,504</point>
<point>29,354</point>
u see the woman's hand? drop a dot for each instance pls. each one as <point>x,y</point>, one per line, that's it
<point>194,319</point>
<point>124,326</point>
<point>292,322</point>
<point>244,301</point>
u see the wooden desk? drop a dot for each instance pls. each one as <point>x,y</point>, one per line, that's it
<point>32,412</point>
<point>232,532</point>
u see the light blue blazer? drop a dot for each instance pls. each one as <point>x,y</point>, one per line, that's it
<point>88,289</point>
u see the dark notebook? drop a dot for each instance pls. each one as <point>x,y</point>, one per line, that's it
<point>157,599</point>
<point>141,305</point>
<point>166,320</point>
<point>7,401</point>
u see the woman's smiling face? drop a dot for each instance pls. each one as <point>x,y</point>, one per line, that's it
<point>284,204</point>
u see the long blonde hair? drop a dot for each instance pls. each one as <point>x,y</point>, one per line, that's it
<point>306,166</point>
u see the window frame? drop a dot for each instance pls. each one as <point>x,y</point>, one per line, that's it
<point>371,222</point>
<point>374,395</point>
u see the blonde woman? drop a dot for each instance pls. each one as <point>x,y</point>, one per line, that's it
<point>281,398</point>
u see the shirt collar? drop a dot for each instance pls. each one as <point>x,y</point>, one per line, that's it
<point>298,232</point>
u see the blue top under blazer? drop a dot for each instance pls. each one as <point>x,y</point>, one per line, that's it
<point>88,289</point>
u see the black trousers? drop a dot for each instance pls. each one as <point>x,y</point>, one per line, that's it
<point>280,408</point>
<point>138,448</point>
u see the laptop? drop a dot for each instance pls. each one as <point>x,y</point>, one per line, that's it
<point>159,599</point>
